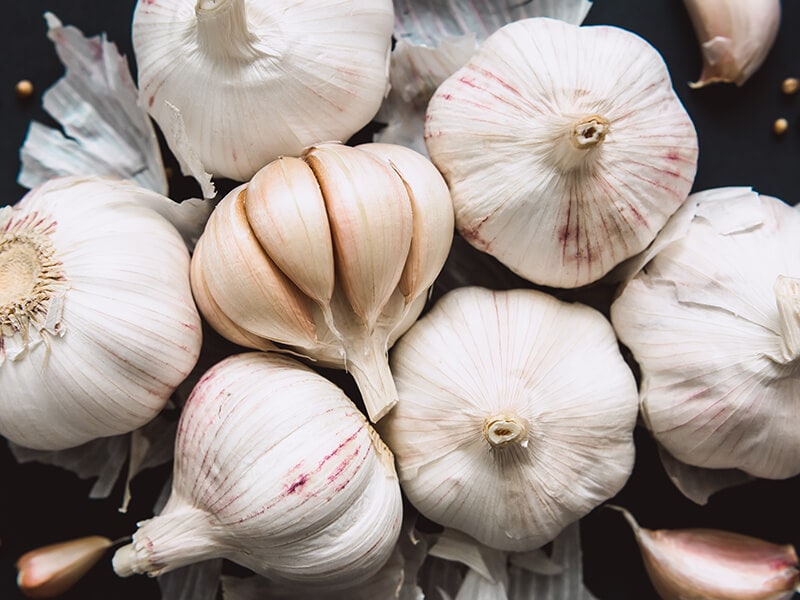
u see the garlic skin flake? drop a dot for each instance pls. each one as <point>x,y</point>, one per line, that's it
<point>735,37</point>
<point>274,77</point>
<point>49,571</point>
<point>96,314</point>
<point>278,471</point>
<point>516,415</point>
<point>330,254</point>
<point>710,564</point>
<point>713,322</point>
<point>565,148</point>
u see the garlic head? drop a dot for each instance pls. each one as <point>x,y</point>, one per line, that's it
<point>515,415</point>
<point>97,322</point>
<point>274,77</point>
<point>278,471</point>
<point>565,148</point>
<point>330,254</point>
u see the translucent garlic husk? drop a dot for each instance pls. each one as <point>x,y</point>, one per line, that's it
<point>330,254</point>
<point>278,471</point>
<point>516,415</point>
<point>565,148</point>
<point>713,322</point>
<point>735,37</point>
<point>275,76</point>
<point>97,322</point>
<point>711,564</point>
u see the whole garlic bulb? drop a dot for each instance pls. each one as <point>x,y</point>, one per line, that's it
<point>96,313</point>
<point>278,471</point>
<point>516,415</point>
<point>714,322</point>
<point>565,148</point>
<point>330,254</point>
<point>240,82</point>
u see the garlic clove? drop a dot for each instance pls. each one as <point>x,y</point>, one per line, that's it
<point>242,278</point>
<point>50,571</point>
<point>286,210</point>
<point>735,37</point>
<point>709,564</point>
<point>432,214</point>
<point>371,224</point>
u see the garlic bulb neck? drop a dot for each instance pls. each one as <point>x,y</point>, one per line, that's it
<point>787,296</point>
<point>502,430</point>
<point>577,143</point>
<point>30,275</point>
<point>588,132</point>
<point>222,29</point>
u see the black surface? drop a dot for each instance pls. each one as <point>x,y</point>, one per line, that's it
<point>40,505</point>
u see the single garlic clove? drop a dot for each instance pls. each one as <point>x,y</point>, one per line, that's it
<point>371,224</point>
<point>50,571</point>
<point>735,37</point>
<point>242,278</point>
<point>432,214</point>
<point>709,564</point>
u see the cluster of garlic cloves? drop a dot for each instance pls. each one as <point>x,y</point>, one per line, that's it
<point>278,471</point>
<point>330,254</point>
<point>97,322</point>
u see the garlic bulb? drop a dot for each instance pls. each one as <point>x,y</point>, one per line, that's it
<point>709,564</point>
<point>565,148</point>
<point>96,314</point>
<point>240,82</point>
<point>330,254</point>
<point>713,322</point>
<point>735,37</point>
<point>276,470</point>
<point>516,415</point>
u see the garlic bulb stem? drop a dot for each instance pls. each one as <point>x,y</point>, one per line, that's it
<point>502,430</point>
<point>222,29</point>
<point>589,132</point>
<point>577,143</point>
<point>370,369</point>
<point>787,296</point>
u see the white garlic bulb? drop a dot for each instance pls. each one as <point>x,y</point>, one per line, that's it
<point>278,471</point>
<point>516,415</point>
<point>565,148</point>
<point>714,323</point>
<point>330,254</point>
<point>239,82</point>
<point>96,313</point>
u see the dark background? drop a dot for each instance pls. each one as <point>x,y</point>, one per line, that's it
<point>41,505</point>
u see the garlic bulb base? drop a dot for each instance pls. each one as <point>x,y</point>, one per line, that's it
<point>787,295</point>
<point>503,430</point>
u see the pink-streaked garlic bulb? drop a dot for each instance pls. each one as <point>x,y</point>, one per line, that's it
<point>278,471</point>
<point>565,148</point>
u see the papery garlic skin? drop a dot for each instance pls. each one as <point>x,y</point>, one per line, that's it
<point>516,415</point>
<point>711,564</point>
<point>274,77</point>
<point>565,148</point>
<point>98,322</point>
<point>278,471</point>
<point>330,254</point>
<point>735,37</point>
<point>712,321</point>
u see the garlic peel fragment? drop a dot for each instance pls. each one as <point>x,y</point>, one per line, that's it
<point>50,571</point>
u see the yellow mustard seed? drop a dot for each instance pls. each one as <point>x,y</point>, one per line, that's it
<point>780,126</point>
<point>24,89</point>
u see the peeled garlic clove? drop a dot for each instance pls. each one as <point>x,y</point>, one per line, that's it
<point>735,37</point>
<point>432,216</point>
<point>709,564</point>
<point>319,68</point>
<point>565,148</point>
<point>712,322</point>
<point>276,470</point>
<point>242,278</point>
<point>50,571</point>
<point>515,415</point>
<point>97,322</point>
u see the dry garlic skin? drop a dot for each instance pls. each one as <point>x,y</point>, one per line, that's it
<point>516,415</point>
<point>98,322</point>
<point>238,83</point>
<point>276,470</point>
<point>565,148</point>
<point>713,322</point>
